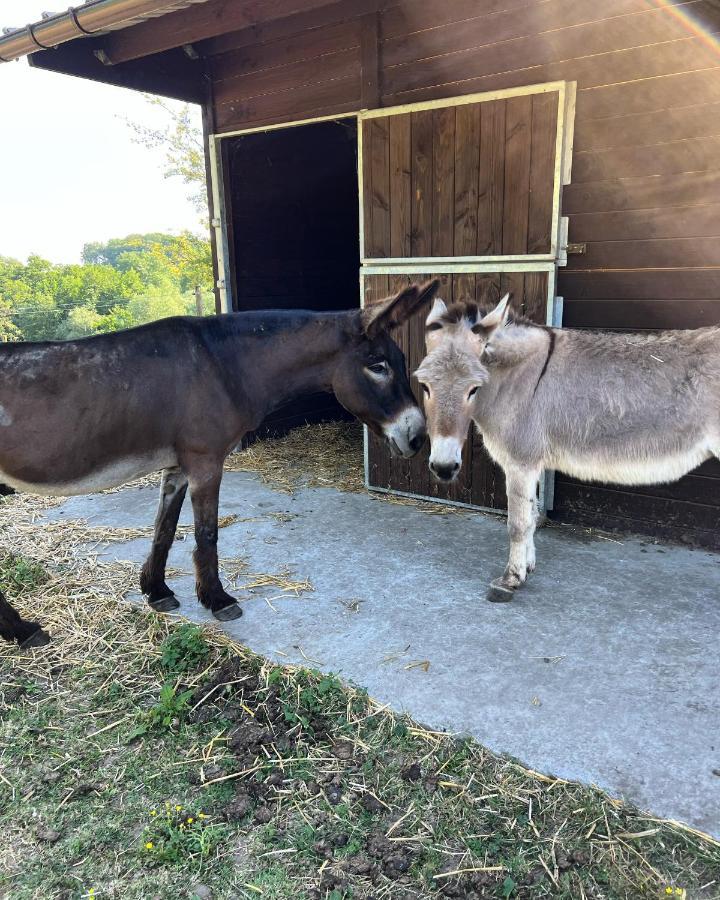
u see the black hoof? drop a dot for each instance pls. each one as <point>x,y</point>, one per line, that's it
<point>38,638</point>
<point>227,613</point>
<point>164,604</point>
<point>498,593</point>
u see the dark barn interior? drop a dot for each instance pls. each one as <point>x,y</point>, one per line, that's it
<point>294,231</point>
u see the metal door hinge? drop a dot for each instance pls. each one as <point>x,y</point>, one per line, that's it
<point>576,249</point>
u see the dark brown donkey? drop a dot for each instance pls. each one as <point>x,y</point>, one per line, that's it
<point>178,395</point>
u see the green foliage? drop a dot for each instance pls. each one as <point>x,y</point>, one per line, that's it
<point>19,574</point>
<point>314,696</point>
<point>175,835</point>
<point>171,706</point>
<point>183,649</point>
<point>122,282</point>
<point>180,136</point>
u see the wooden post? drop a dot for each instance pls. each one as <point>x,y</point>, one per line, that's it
<point>199,300</point>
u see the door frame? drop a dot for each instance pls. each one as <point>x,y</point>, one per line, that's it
<point>218,194</point>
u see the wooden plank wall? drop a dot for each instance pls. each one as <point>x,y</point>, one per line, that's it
<point>645,192</point>
<point>312,73</point>
<point>469,180</point>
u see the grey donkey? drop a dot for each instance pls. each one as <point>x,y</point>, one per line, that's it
<point>620,408</point>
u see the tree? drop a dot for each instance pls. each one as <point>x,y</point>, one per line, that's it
<point>8,329</point>
<point>122,282</point>
<point>180,135</point>
<point>186,258</point>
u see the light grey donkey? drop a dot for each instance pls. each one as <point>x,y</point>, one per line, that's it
<point>619,408</point>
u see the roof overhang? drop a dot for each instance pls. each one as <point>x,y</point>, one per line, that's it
<point>89,19</point>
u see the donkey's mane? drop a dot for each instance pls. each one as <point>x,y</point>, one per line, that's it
<point>472,311</point>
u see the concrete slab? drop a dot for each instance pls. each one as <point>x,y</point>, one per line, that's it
<point>605,668</point>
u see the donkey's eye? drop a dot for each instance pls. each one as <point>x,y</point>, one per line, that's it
<point>426,390</point>
<point>472,392</point>
<point>378,368</point>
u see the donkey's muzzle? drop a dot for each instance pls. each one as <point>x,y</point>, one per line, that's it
<point>445,471</point>
<point>406,433</point>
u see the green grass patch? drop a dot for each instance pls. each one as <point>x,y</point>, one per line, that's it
<point>19,575</point>
<point>184,649</point>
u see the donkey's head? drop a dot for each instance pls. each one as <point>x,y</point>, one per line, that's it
<point>371,379</point>
<point>451,374</point>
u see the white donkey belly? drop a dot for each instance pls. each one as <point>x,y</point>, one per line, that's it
<point>604,467</point>
<point>115,474</point>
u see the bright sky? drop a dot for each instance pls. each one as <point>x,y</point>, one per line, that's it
<point>69,170</point>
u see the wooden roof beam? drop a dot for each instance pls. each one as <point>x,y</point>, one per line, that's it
<point>198,23</point>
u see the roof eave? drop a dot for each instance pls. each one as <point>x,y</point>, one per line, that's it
<point>91,18</point>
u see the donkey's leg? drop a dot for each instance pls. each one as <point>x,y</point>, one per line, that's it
<point>522,517</point>
<point>204,476</point>
<point>152,577</point>
<point>14,628</point>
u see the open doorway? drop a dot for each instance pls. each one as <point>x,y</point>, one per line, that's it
<point>294,231</point>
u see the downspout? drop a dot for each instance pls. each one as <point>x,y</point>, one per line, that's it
<point>91,18</point>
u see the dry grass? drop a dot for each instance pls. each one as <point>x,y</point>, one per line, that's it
<point>329,454</point>
<point>326,455</point>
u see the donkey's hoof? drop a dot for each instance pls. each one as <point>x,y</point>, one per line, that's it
<point>227,613</point>
<point>164,604</point>
<point>498,593</point>
<point>38,638</point>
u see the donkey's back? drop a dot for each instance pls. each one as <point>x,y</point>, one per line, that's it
<point>630,408</point>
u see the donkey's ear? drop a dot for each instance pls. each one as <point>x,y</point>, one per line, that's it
<point>395,310</point>
<point>439,308</point>
<point>497,318</point>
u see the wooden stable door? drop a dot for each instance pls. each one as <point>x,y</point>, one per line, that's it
<point>469,191</point>
<point>471,181</point>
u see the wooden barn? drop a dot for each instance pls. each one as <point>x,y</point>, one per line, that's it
<point>565,150</point>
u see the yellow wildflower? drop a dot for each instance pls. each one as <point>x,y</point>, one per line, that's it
<point>149,845</point>
<point>190,820</point>
<point>178,808</point>
<point>153,812</point>
<point>202,816</point>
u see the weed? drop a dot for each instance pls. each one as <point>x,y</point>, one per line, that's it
<point>183,650</point>
<point>170,709</point>
<point>21,574</point>
<point>175,835</point>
